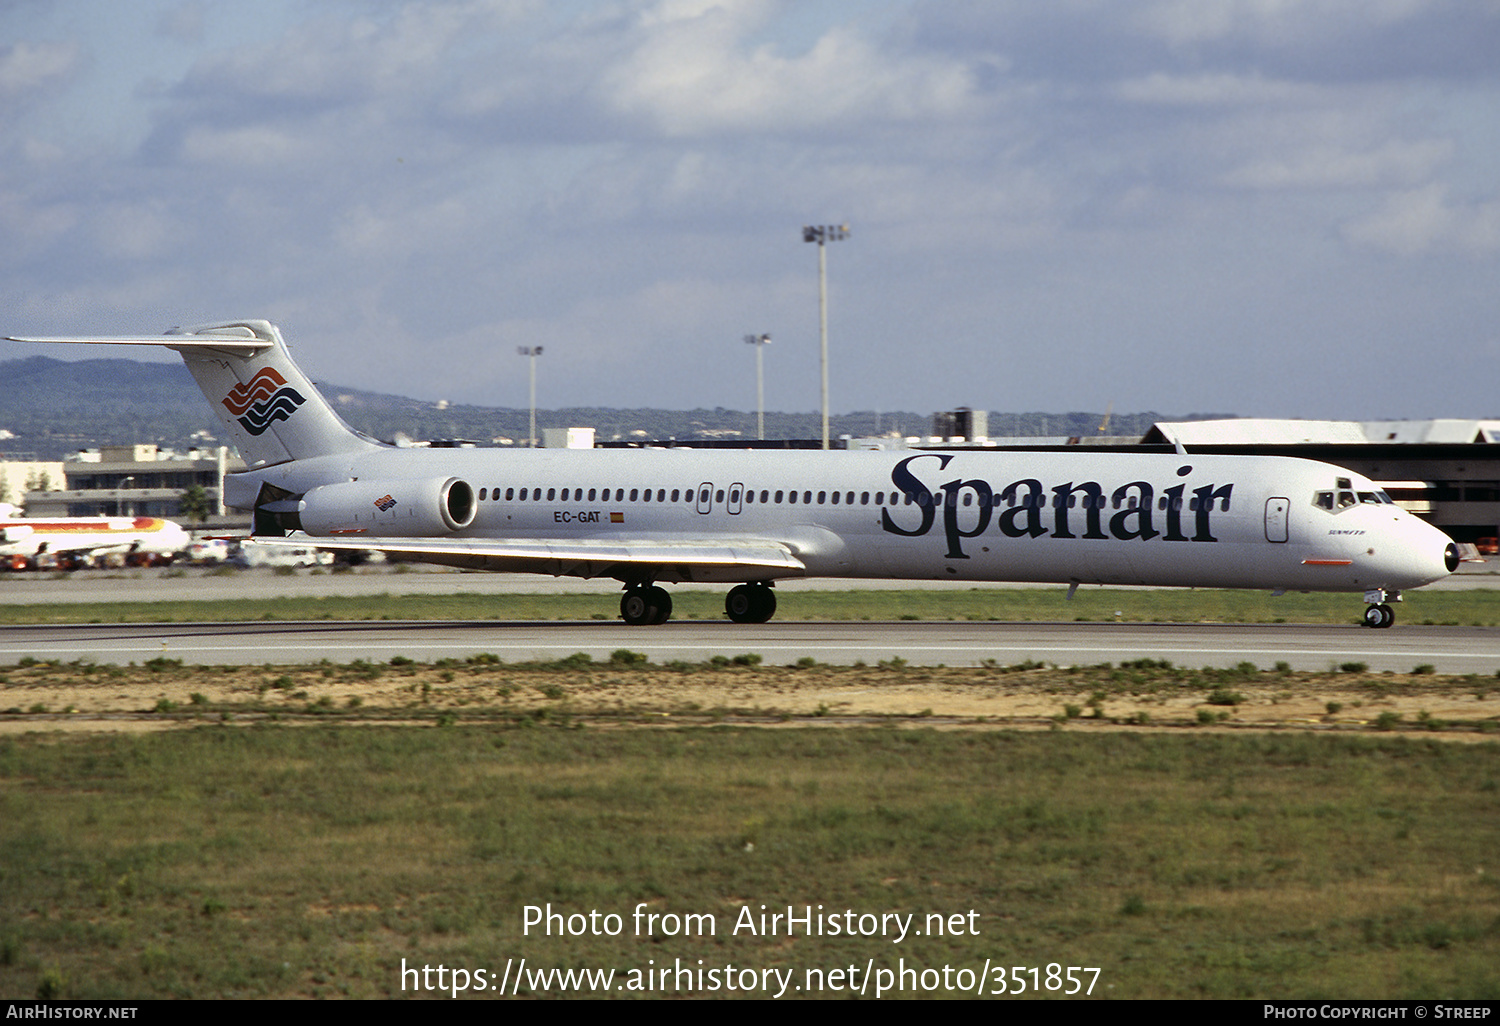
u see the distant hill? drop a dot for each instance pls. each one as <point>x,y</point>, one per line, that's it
<point>54,407</point>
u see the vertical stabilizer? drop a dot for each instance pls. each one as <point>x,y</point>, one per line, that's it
<point>271,411</point>
<point>268,406</point>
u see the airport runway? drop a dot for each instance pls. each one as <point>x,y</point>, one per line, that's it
<point>207,585</point>
<point>1448,649</point>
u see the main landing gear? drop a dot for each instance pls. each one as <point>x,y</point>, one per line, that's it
<point>1377,613</point>
<point>645,604</point>
<point>750,603</point>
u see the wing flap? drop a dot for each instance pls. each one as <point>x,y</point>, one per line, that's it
<point>707,560</point>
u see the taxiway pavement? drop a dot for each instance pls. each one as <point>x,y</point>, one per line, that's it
<point>1304,647</point>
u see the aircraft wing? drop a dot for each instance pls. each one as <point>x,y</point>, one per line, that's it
<point>700,559</point>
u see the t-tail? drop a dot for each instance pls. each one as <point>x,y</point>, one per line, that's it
<point>270,409</point>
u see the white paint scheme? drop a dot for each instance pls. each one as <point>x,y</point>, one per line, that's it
<point>91,538</point>
<point>307,467</point>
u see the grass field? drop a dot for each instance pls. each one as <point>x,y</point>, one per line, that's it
<point>1473,607</point>
<point>298,831</point>
<point>288,862</point>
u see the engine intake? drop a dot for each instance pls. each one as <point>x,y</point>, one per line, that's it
<point>391,509</point>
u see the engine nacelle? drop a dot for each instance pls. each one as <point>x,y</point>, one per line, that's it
<point>390,509</point>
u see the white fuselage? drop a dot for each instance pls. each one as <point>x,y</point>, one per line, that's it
<point>977,515</point>
<point>91,536</point>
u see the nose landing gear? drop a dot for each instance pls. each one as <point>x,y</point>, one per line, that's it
<point>1377,613</point>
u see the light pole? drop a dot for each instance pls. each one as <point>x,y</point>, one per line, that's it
<point>759,342</point>
<point>533,352</point>
<point>823,234</point>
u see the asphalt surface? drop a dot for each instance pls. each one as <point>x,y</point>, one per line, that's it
<point>208,585</point>
<point>1304,647</point>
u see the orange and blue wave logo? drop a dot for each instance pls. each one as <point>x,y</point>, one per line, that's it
<point>385,503</point>
<point>262,400</point>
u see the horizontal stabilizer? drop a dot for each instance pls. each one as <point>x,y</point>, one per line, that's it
<point>242,346</point>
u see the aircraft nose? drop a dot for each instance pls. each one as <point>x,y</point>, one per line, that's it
<point>1451,558</point>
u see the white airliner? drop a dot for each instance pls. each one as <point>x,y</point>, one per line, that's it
<point>85,540</point>
<point>751,518</point>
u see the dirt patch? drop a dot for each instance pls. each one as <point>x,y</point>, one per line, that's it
<point>76,697</point>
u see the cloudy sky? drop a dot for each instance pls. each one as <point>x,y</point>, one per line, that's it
<point>1271,207</point>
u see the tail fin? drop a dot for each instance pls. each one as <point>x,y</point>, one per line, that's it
<point>271,410</point>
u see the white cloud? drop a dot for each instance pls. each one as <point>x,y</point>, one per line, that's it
<point>137,231</point>
<point>1186,22</point>
<point>1332,166</point>
<point>408,184</point>
<point>1210,90</point>
<point>1421,220</point>
<point>28,67</point>
<point>252,146</point>
<point>698,73</point>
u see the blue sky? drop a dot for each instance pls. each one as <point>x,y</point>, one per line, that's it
<point>1274,207</point>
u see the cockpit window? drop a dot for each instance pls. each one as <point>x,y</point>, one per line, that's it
<point>1340,500</point>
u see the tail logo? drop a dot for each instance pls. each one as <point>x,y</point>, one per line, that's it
<point>262,400</point>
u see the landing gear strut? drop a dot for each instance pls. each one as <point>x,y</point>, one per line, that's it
<point>750,603</point>
<point>1377,613</point>
<point>645,605</point>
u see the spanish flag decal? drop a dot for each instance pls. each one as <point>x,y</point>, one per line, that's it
<point>617,518</point>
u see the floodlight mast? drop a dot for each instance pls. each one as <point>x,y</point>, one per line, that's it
<point>823,234</point>
<point>533,352</point>
<point>759,342</point>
